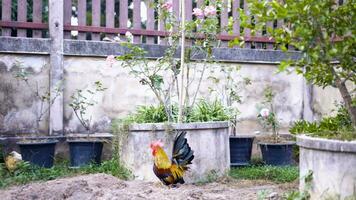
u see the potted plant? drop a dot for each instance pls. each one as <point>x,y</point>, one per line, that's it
<point>275,150</point>
<point>83,148</point>
<point>323,32</point>
<point>39,148</point>
<point>176,83</point>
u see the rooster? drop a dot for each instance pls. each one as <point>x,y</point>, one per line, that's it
<point>12,160</point>
<point>171,172</point>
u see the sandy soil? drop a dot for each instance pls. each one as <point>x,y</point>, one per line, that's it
<point>103,186</point>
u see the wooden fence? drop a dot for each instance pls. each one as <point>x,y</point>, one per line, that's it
<point>96,19</point>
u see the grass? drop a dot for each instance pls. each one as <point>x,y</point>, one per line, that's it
<point>265,172</point>
<point>26,173</point>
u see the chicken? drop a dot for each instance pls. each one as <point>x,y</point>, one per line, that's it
<point>171,171</point>
<point>12,160</point>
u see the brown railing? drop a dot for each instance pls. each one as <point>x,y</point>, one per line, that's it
<point>96,19</point>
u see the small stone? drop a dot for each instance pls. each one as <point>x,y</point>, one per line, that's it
<point>273,196</point>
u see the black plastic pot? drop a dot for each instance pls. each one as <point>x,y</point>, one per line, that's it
<point>240,150</point>
<point>38,153</point>
<point>85,152</point>
<point>277,154</point>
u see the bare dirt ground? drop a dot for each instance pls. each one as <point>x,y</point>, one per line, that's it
<point>103,186</point>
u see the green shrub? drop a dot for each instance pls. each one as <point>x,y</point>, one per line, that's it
<point>151,114</point>
<point>337,127</point>
<point>204,111</point>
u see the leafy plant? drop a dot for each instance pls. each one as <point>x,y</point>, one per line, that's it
<point>304,193</point>
<point>267,116</point>
<point>337,127</point>
<point>323,32</point>
<point>82,100</point>
<point>203,111</point>
<point>151,114</point>
<point>45,98</point>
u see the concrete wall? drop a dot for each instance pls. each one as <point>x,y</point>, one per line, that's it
<point>209,141</point>
<point>333,166</point>
<point>18,107</point>
<point>18,104</point>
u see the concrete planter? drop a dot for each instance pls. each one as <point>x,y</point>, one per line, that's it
<point>209,140</point>
<point>333,164</point>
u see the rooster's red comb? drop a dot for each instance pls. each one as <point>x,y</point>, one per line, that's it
<point>157,143</point>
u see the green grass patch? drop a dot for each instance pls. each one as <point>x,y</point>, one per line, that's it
<point>265,172</point>
<point>26,173</point>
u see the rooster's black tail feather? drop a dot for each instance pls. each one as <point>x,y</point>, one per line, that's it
<point>182,153</point>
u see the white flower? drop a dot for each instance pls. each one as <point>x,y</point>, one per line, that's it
<point>264,112</point>
<point>129,36</point>
<point>110,60</point>
<point>198,12</point>
<point>210,11</point>
<point>117,39</point>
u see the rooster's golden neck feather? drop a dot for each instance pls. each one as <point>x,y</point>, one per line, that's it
<point>161,159</point>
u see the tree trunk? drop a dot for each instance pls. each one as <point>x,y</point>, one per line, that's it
<point>347,99</point>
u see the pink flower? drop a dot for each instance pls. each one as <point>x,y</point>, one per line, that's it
<point>167,6</point>
<point>210,11</point>
<point>110,60</point>
<point>264,112</point>
<point>198,12</point>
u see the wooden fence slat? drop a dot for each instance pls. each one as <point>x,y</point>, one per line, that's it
<point>279,25</point>
<point>150,25</point>
<point>224,19</point>
<point>247,31</point>
<point>188,17</point>
<point>96,7</point>
<point>200,3</point>
<point>137,18</point>
<point>269,25</point>
<point>37,16</point>
<point>161,27</point>
<point>82,18</point>
<point>21,16</point>
<point>258,45</point>
<point>109,15</point>
<point>67,17</point>
<point>175,8</point>
<point>236,17</point>
<point>6,16</point>
<point>123,14</point>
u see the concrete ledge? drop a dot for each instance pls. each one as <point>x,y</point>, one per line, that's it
<point>102,49</point>
<point>95,135</point>
<point>25,45</point>
<point>182,126</point>
<point>326,144</point>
